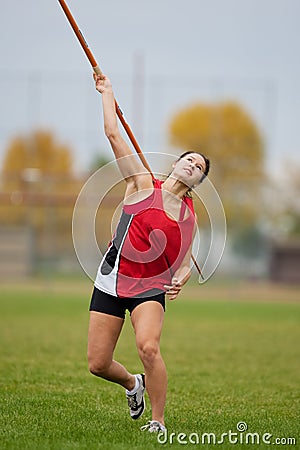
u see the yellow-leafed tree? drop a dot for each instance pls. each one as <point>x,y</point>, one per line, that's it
<point>37,184</point>
<point>229,137</point>
<point>38,151</point>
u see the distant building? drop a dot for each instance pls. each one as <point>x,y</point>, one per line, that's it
<point>285,262</point>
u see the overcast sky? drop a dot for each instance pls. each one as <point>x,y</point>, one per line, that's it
<point>188,50</point>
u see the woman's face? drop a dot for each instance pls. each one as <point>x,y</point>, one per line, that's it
<point>189,169</point>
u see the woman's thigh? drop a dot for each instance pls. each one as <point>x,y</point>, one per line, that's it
<point>147,320</point>
<point>103,334</point>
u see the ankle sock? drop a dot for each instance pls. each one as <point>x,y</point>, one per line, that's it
<point>133,391</point>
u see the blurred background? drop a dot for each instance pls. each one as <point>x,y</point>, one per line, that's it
<point>222,78</point>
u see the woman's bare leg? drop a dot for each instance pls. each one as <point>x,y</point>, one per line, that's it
<point>147,320</point>
<point>104,331</point>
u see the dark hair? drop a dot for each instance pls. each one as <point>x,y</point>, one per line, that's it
<point>207,162</point>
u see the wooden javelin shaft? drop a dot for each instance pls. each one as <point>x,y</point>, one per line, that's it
<point>98,71</point>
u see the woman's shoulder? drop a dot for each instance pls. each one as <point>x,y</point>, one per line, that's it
<point>144,199</point>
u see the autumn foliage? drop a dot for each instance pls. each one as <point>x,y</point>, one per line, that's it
<point>227,134</point>
<point>38,188</point>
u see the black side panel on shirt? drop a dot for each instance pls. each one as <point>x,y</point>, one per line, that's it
<point>111,256</point>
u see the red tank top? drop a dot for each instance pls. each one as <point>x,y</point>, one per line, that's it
<point>147,248</point>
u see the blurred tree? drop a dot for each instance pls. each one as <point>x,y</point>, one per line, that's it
<point>40,151</point>
<point>229,137</point>
<point>38,190</point>
<point>250,242</point>
<point>35,166</point>
<point>99,160</point>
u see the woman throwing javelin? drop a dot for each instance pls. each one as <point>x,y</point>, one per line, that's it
<point>148,257</point>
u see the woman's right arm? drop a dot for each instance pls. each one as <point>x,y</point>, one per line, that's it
<point>131,169</point>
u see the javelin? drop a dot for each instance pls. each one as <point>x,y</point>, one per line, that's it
<point>97,70</point>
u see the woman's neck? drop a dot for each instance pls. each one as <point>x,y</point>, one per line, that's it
<point>175,187</point>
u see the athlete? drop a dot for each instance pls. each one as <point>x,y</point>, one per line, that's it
<point>147,258</point>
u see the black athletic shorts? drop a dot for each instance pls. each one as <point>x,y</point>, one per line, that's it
<point>117,306</point>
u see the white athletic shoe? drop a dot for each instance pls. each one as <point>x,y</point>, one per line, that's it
<point>136,401</point>
<point>153,426</point>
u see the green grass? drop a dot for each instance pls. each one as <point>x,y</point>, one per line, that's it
<point>227,360</point>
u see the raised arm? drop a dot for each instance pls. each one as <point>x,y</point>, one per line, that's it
<point>134,173</point>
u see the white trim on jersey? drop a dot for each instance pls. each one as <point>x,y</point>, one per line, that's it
<point>108,283</point>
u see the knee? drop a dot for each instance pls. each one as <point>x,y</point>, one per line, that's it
<point>148,351</point>
<point>98,366</point>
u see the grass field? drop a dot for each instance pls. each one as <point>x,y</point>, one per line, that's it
<point>232,353</point>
